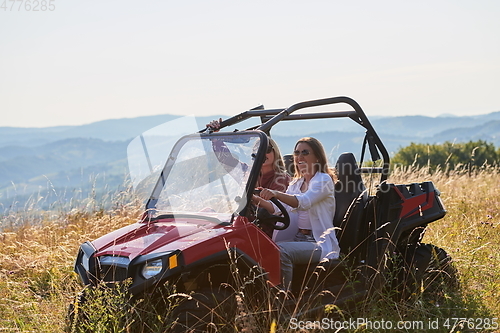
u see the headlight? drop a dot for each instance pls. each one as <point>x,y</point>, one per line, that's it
<point>152,268</point>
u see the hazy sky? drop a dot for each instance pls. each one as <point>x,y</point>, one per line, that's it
<point>85,61</point>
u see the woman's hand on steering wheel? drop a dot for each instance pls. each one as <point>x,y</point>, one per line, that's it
<point>268,218</point>
<point>267,194</point>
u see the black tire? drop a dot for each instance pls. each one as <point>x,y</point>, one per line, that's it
<point>423,271</point>
<point>75,315</point>
<point>207,310</point>
<point>433,272</point>
<point>440,276</point>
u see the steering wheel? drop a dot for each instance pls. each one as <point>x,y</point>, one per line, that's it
<point>263,216</point>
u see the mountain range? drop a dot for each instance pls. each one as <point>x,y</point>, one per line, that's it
<point>64,163</point>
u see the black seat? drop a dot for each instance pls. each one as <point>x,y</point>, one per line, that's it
<point>288,160</point>
<point>351,198</point>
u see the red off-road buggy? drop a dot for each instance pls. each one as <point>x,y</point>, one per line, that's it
<point>200,234</point>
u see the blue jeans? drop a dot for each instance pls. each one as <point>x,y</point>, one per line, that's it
<point>303,250</point>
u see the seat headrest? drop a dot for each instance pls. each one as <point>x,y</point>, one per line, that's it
<point>349,174</point>
<point>289,166</point>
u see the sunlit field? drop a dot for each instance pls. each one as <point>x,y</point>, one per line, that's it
<point>37,250</point>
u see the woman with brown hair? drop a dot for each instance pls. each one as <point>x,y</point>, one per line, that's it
<point>311,204</point>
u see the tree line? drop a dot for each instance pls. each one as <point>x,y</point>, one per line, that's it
<point>448,155</point>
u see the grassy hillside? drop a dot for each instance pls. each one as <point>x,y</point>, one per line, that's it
<point>37,282</point>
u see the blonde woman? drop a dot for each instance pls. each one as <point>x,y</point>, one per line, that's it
<point>272,174</point>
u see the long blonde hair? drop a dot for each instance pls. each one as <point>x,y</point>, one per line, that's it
<point>279,164</point>
<point>281,177</point>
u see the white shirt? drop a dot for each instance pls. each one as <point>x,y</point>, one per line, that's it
<point>303,220</point>
<point>319,201</point>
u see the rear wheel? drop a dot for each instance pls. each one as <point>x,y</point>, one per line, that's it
<point>431,273</point>
<point>440,276</point>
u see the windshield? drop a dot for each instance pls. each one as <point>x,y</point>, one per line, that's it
<point>207,174</point>
<point>204,174</point>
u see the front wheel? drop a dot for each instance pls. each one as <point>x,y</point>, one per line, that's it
<point>206,310</point>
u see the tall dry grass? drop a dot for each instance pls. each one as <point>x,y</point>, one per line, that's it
<point>470,232</point>
<point>37,251</point>
<point>36,260</point>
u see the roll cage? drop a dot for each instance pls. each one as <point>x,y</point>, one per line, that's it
<point>271,117</point>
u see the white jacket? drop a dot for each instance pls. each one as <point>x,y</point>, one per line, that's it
<point>319,200</point>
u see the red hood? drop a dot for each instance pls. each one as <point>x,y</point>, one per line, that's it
<point>164,235</point>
